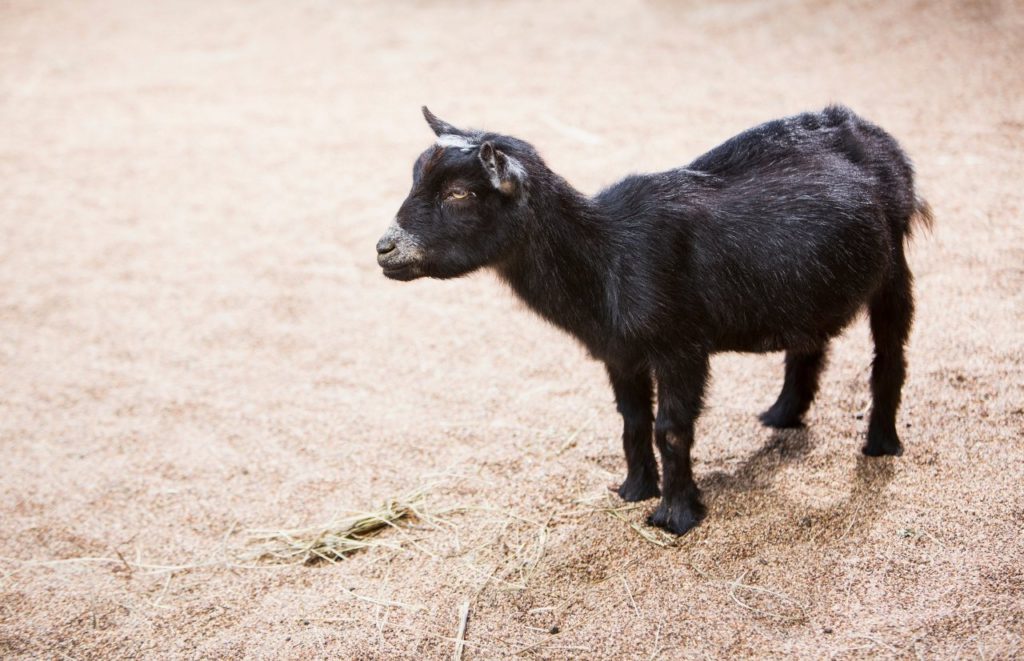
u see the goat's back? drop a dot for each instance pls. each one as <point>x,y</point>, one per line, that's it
<point>782,232</point>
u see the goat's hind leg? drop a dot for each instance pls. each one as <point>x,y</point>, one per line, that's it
<point>798,389</point>
<point>633,394</point>
<point>892,312</point>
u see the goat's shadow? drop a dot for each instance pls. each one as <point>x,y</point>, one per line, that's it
<point>750,491</point>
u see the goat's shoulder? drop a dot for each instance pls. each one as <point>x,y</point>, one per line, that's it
<point>647,196</point>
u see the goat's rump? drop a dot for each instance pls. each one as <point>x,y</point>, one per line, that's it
<point>815,148</point>
<point>787,229</point>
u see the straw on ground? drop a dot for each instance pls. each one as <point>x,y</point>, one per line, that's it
<point>336,539</point>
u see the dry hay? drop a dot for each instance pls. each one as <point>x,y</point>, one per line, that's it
<point>337,539</point>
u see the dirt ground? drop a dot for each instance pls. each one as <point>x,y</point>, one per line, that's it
<point>195,339</point>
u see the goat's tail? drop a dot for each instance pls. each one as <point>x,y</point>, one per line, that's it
<point>921,217</point>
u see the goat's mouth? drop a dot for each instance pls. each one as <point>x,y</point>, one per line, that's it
<point>400,265</point>
<point>402,272</point>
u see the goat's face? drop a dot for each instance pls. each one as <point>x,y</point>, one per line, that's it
<point>467,197</point>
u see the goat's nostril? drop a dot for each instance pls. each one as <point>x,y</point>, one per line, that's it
<point>384,246</point>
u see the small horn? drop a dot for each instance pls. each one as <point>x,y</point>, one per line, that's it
<point>439,126</point>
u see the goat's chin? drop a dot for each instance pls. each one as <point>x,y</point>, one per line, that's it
<point>449,269</point>
<point>403,273</point>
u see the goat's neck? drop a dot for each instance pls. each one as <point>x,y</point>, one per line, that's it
<point>562,268</point>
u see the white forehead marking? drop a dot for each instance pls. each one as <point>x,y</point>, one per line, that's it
<point>457,141</point>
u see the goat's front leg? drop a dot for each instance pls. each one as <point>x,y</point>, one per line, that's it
<point>680,395</point>
<point>633,392</point>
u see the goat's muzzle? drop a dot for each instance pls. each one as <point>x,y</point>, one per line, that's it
<point>398,254</point>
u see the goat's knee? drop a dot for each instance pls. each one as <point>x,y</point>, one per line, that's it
<point>680,392</point>
<point>680,508</point>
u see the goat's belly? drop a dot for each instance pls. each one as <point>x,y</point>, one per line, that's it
<point>761,328</point>
<point>766,343</point>
<point>760,301</point>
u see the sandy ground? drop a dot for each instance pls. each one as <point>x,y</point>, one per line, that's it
<point>195,339</point>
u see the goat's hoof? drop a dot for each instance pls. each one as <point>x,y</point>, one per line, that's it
<point>880,445</point>
<point>635,490</point>
<point>677,519</point>
<point>780,419</point>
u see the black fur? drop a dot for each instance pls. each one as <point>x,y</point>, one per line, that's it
<point>772,241</point>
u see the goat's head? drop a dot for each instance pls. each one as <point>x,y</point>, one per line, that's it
<point>466,206</point>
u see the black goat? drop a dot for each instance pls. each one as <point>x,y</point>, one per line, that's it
<point>772,241</point>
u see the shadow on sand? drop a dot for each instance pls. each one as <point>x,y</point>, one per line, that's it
<point>750,491</point>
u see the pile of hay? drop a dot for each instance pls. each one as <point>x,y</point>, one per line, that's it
<point>337,539</point>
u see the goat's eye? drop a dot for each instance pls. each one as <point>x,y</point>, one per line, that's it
<point>459,194</point>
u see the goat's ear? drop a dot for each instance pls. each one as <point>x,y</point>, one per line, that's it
<point>505,172</point>
<point>439,126</point>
